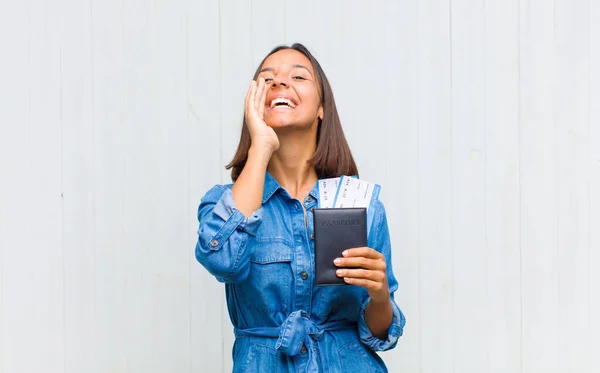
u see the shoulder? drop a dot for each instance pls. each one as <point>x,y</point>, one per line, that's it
<point>215,193</point>
<point>379,222</point>
<point>379,213</point>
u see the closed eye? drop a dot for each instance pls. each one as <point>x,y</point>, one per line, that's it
<point>299,77</point>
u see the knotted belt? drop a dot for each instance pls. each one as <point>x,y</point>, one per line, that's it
<point>297,329</point>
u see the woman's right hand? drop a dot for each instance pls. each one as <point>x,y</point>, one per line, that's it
<point>262,135</point>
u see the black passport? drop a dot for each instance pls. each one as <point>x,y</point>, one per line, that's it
<point>336,230</point>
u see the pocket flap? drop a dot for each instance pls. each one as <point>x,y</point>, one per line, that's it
<point>272,252</point>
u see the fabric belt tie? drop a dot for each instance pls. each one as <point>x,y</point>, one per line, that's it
<point>297,329</point>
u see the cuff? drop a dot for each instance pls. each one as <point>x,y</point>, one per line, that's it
<point>234,219</point>
<point>394,332</point>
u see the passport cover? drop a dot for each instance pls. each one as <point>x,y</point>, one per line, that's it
<point>336,230</point>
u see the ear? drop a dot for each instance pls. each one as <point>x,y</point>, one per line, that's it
<point>320,112</point>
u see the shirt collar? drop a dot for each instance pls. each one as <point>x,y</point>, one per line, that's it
<point>272,185</point>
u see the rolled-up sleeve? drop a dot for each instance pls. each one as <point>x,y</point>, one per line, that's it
<point>223,235</point>
<point>394,332</point>
<point>379,239</point>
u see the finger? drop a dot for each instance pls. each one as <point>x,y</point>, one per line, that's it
<point>366,252</point>
<point>250,96</point>
<point>361,262</point>
<point>365,274</point>
<point>370,285</point>
<point>263,99</point>
<point>258,95</point>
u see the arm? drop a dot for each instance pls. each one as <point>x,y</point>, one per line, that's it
<point>380,321</point>
<point>223,235</point>
<point>378,334</point>
<point>228,216</point>
<point>248,188</point>
<point>378,317</point>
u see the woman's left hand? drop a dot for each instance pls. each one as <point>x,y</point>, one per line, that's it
<point>369,271</point>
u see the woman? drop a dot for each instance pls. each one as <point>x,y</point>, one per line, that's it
<point>255,235</point>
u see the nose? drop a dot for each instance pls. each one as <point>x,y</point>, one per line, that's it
<point>278,81</point>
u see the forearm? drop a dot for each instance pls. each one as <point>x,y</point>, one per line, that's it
<point>378,316</point>
<point>248,188</point>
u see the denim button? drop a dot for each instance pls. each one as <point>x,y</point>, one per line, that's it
<point>303,349</point>
<point>309,199</point>
<point>214,243</point>
<point>312,236</point>
<point>304,275</point>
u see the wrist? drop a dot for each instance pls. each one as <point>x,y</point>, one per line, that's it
<point>260,153</point>
<point>381,299</point>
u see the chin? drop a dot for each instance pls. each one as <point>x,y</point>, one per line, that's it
<point>278,123</point>
<point>285,123</point>
<point>284,126</point>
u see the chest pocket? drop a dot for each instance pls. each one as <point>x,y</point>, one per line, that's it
<point>269,284</point>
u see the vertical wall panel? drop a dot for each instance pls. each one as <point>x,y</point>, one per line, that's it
<point>205,165</point>
<point>169,211</point>
<point>538,187</point>
<point>32,296</point>
<point>399,106</point>
<point>16,285</point>
<point>502,185</point>
<point>78,189</point>
<point>572,167</point>
<point>113,260</point>
<point>594,179</point>
<point>138,79</point>
<point>468,186</point>
<point>45,225</point>
<point>32,278</point>
<point>435,193</point>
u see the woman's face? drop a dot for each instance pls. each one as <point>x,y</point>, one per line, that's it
<point>293,98</point>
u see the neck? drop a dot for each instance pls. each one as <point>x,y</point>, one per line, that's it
<point>290,165</point>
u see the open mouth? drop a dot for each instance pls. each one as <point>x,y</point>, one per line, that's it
<point>282,102</point>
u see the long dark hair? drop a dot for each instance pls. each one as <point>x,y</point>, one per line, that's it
<point>332,156</point>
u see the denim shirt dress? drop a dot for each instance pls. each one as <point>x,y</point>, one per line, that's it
<point>282,321</point>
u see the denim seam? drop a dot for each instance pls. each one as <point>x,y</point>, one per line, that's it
<point>241,251</point>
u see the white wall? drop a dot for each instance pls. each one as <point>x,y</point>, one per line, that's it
<point>481,119</point>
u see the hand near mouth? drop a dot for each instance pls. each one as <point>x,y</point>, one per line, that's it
<point>261,134</point>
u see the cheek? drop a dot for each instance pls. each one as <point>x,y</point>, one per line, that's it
<point>311,101</point>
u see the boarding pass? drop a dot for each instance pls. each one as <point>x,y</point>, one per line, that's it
<point>348,191</point>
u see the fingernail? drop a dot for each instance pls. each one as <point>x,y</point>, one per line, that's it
<point>345,253</point>
<point>338,272</point>
<point>337,261</point>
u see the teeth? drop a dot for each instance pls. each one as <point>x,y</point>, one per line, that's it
<point>281,100</point>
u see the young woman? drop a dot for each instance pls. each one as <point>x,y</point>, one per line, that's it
<point>256,235</point>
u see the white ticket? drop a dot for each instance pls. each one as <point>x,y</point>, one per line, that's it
<point>354,192</point>
<point>327,190</point>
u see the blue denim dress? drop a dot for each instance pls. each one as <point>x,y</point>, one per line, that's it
<point>282,321</point>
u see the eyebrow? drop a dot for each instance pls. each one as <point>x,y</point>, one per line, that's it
<point>294,66</point>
